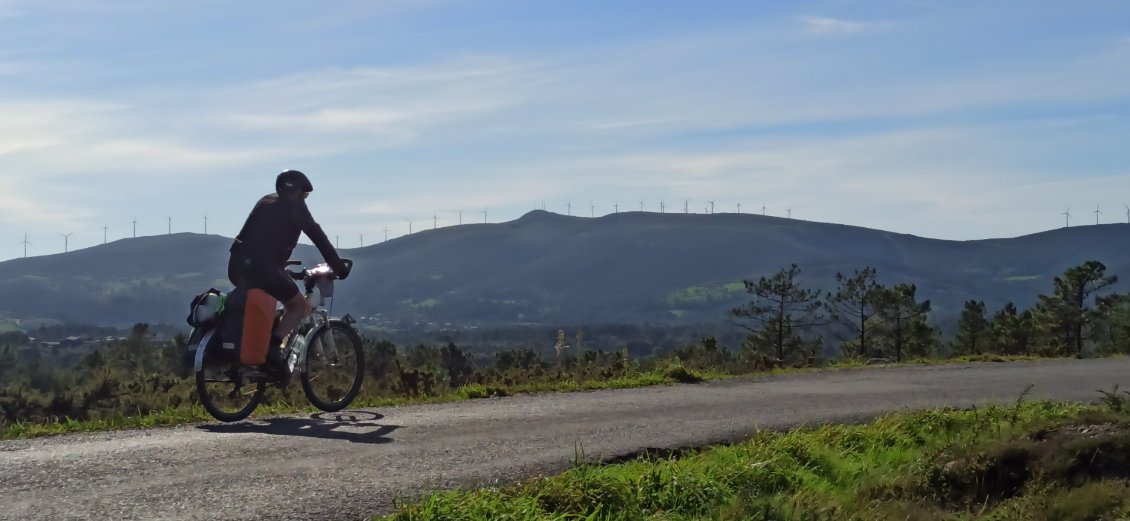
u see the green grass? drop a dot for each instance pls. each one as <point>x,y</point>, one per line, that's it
<point>121,286</point>
<point>855,362</point>
<point>1022,278</point>
<point>167,417</point>
<point>422,304</point>
<point>703,294</point>
<point>1032,461</point>
<point>191,414</point>
<point>670,375</point>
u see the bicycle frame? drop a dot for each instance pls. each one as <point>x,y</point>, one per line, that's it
<point>316,319</point>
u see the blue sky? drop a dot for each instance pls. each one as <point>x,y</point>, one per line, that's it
<point>945,119</point>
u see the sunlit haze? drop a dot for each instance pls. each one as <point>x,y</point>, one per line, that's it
<point>944,119</point>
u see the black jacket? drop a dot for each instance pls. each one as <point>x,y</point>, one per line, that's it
<point>271,232</point>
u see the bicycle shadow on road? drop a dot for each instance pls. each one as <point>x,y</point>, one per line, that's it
<point>351,426</point>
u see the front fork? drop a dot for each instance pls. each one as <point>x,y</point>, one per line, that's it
<point>299,348</point>
<point>327,345</point>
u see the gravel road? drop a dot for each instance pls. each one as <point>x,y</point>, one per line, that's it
<point>353,464</point>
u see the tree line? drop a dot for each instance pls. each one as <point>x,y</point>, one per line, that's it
<point>868,320</point>
<point>784,323</point>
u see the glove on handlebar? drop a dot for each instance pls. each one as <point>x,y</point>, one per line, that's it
<point>341,269</point>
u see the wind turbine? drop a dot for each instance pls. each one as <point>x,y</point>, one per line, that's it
<point>592,209</point>
<point>763,209</point>
<point>1067,217</point>
<point>205,225</point>
<point>362,238</point>
<point>686,204</point>
<point>1097,213</point>
<point>135,227</point>
<point>569,208</point>
<point>25,243</point>
<point>662,206</point>
<point>485,215</point>
<point>641,205</point>
<point>66,239</point>
<point>1127,212</point>
<point>105,231</point>
<point>435,220</point>
<point>739,207</point>
<point>409,226</point>
<point>711,206</point>
<point>170,225</point>
<point>616,208</point>
<point>790,212</point>
<point>386,233</point>
<point>460,216</point>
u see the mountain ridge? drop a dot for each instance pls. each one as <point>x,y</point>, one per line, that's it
<point>548,268</point>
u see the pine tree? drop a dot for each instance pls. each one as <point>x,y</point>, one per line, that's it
<point>1065,315</point>
<point>854,304</point>
<point>780,310</point>
<point>922,340</point>
<point>900,309</point>
<point>1113,324</point>
<point>972,330</point>
<point>1011,331</point>
<point>456,364</point>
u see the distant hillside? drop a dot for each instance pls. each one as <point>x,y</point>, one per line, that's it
<point>552,269</point>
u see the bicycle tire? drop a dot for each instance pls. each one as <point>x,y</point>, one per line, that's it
<point>314,356</point>
<point>211,403</point>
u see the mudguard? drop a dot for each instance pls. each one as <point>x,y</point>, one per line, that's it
<point>201,347</point>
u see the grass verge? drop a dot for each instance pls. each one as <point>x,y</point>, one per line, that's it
<point>191,414</point>
<point>1032,461</point>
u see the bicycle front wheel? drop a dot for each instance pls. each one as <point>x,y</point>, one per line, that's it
<point>226,394</point>
<point>335,366</point>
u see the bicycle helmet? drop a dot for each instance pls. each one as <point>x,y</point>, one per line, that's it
<point>292,181</point>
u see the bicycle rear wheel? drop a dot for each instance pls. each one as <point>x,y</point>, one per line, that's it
<point>335,366</point>
<point>226,393</point>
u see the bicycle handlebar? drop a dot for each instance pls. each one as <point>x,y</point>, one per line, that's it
<point>319,270</point>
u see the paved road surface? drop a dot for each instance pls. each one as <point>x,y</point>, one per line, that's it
<point>348,465</point>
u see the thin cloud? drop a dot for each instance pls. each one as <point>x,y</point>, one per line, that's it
<point>153,156</point>
<point>825,26</point>
<point>398,106</point>
<point>927,182</point>
<point>11,68</point>
<point>741,110</point>
<point>313,113</point>
<point>72,137</point>
<point>625,123</point>
<point>26,204</point>
<point>13,8</point>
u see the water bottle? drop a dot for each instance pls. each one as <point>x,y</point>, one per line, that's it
<point>296,349</point>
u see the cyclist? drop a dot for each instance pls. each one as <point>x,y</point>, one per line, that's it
<point>263,246</point>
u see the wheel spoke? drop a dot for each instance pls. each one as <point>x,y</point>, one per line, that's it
<point>226,393</point>
<point>334,368</point>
